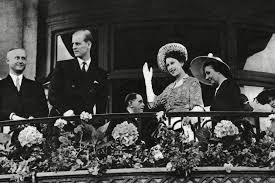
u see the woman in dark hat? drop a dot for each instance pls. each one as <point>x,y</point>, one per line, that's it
<point>212,70</point>
<point>267,97</point>
<point>184,94</point>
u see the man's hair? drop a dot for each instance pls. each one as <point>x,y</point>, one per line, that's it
<point>88,35</point>
<point>218,67</point>
<point>15,48</point>
<point>130,97</point>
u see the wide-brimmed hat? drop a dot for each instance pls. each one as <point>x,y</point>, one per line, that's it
<point>262,97</point>
<point>196,67</point>
<point>177,47</point>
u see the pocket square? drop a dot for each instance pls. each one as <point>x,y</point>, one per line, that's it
<point>96,82</point>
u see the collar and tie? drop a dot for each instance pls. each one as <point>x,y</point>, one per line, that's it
<point>84,64</point>
<point>83,69</point>
<point>17,80</point>
<point>17,83</point>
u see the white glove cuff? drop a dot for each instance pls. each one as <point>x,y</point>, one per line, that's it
<point>150,97</point>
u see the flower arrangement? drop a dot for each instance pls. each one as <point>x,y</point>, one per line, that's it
<point>22,158</point>
<point>126,133</point>
<point>234,148</point>
<point>156,152</point>
<point>30,136</point>
<point>179,154</point>
<point>81,146</point>
<point>225,128</point>
<point>60,123</point>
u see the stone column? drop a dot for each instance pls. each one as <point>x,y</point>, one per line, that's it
<point>18,29</point>
<point>30,18</point>
<point>11,13</point>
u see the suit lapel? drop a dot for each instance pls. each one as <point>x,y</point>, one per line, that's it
<point>23,86</point>
<point>221,88</point>
<point>136,122</point>
<point>76,67</point>
<point>11,84</point>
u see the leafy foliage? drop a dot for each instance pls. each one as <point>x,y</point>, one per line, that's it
<point>240,149</point>
<point>82,146</point>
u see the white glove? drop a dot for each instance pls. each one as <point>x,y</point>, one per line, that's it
<point>148,74</point>
<point>15,117</point>
<point>69,113</point>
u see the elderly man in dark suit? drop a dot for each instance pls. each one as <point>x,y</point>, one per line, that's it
<point>78,85</point>
<point>20,98</point>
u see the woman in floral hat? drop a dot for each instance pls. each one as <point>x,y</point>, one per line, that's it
<point>184,94</point>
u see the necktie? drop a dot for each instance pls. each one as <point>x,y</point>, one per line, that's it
<point>17,83</point>
<point>83,67</point>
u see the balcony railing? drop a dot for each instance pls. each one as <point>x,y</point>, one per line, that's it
<point>200,174</point>
<point>110,116</point>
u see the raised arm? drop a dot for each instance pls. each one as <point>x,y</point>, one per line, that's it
<point>148,74</point>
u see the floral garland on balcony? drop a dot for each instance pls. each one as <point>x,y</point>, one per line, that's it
<point>83,147</point>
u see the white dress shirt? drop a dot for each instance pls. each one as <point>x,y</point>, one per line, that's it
<point>14,77</point>
<point>80,61</point>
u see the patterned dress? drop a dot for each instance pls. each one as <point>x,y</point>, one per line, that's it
<point>181,98</point>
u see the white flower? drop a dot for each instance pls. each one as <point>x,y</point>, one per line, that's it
<point>225,128</point>
<point>29,136</point>
<point>94,170</point>
<point>156,148</point>
<point>60,123</point>
<point>126,133</point>
<point>271,155</point>
<point>86,116</point>
<point>271,117</point>
<point>157,154</point>
<point>169,166</point>
<point>137,165</point>
<point>228,167</point>
<point>253,140</point>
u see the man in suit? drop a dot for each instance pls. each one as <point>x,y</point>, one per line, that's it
<point>78,85</point>
<point>145,126</point>
<point>20,98</point>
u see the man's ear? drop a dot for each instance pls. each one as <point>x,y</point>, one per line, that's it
<point>89,44</point>
<point>130,103</point>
